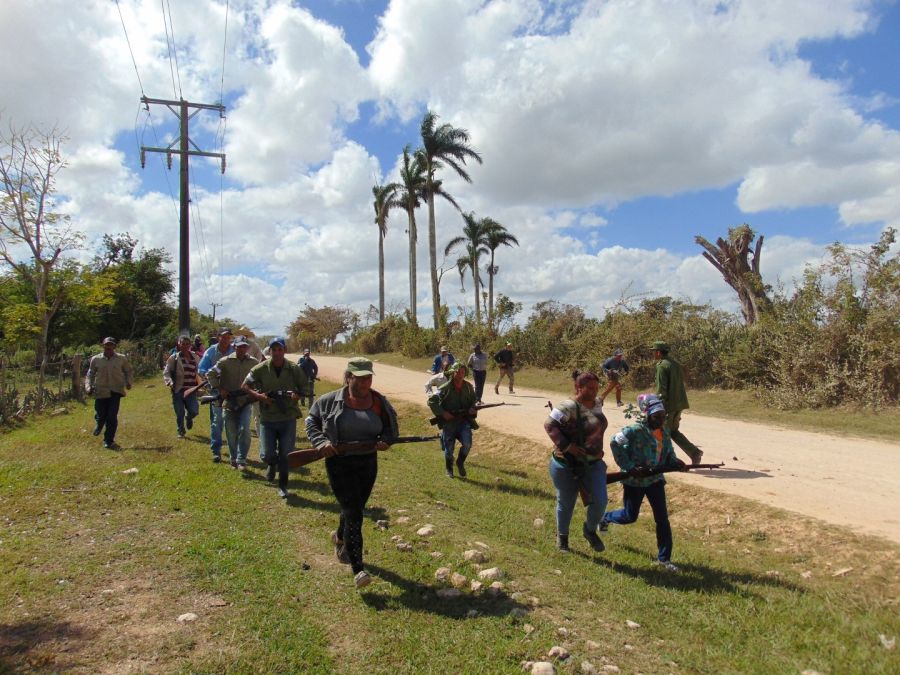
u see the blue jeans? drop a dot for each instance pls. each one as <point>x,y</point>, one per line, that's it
<point>279,439</point>
<point>592,480</point>
<point>462,433</point>
<point>237,432</point>
<point>182,405</point>
<point>216,421</point>
<point>106,413</point>
<point>631,507</point>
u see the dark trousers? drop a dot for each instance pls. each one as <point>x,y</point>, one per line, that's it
<point>480,376</point>
<point>631,507</point>
<point>106,412</point>
<point>352,478</point>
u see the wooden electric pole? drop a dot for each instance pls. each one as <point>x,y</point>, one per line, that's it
<point>181,110</point>
<point>214,305</point>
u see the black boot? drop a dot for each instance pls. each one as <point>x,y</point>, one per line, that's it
<point>562,543</point>
<point>448,463</point>
<point>460,464</point>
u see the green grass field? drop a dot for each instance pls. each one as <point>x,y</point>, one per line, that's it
<point>730,404</point>
<point>97,565</point>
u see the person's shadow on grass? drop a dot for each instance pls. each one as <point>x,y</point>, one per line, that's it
<point>420,597</point>
<point>693,577</point>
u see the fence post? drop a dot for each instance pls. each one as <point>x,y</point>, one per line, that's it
<point>76,378</point>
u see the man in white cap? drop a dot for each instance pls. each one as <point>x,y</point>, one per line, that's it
<point>227,376</point>
<point>221,349</point>
<point>442,361</point>
<point>109,375</point>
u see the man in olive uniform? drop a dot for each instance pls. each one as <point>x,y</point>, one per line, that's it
<point>277,384</point>
<point>454,406</point>
<point>109,375</point>
<point>670,388</point>
<point>228,376</point>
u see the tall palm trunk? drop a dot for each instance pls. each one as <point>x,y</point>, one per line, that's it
<point>490,272</point>
<point>476,282</point>
<point>412,265</point>
<point>380,274</point>
<point>432,254</point>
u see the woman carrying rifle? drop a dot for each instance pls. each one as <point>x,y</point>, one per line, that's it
<point>576,427</point>
<point>638,448</point>
<point>353,413</point>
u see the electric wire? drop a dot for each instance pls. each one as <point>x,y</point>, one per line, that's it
<point>174,49</point>
<point>130,51</point>
<point>224,48</point>
<point>169,47</point>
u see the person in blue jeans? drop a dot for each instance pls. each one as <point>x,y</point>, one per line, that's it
<point>576,427</point>
<point>454,406</point>
<point>227,376</point>
<point>180,376</point>
<point>210,358</point>
<point>638,448</point>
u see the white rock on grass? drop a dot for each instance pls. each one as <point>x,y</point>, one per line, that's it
<point>495,588</point>
<point>187,617</point>
<point>476,586</point>
<point>425,531</point>
<point>458,580</point>
<point>404,546</point>
<point>132,470</point>
<point>542,668</point>
<point>538,523</point>
<point>436,554</point>
<point>402,520</point>
<point>381,524</point>
<point>490,574</point>
<point>558,653</point>
<point>442,573</point>
<point>474,556</point>
<point>588,668</point>
<point>887,642</point>
<point>482,545</point>
<point>449,593</point>
<point>397,537</point>
<point>528,628</point>
<point>591,645</point>
<point>632,624</point>
<point>610,668</point>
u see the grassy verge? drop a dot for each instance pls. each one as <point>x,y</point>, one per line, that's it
<point>97,565</point>
<point>729,404</point>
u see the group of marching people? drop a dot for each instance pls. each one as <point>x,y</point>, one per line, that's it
<point>239,380</point>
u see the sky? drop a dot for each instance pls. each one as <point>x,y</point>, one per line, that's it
<point>612,133</point>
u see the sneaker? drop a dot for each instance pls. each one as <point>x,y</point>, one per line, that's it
<point>461,466</point>
<point>111,445</point>
<point>592,538</point>
<point>362,579</point>
<point>97,430</point>
<point>604,525</point>
<point>562,543</point>
<point>270,473</point>
<point>189,422</point>
<point>340,551</point>
<point>233,463</point>
<point>282,493</point>
<point>242,467</point>
<point>181,435</point>
<point>668,565</point>
<point>216,459</point>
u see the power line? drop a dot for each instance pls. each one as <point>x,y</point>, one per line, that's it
<point>169,49</point>
<point>128,42</point>
<point>224,47</point>
<point>174,48</point>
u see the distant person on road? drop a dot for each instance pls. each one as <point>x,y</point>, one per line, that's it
<point>454,406</point>
<point>311,368</point>
<point>355,412</point>
<point>615,368</point>
<point>478,363</point>
<point>180,376</point>
<point>576,427</point>
<point>670,389</point>
<point>442,361</point>
<point>109,375</point>
<point>505,360</point>
<point>637,447</point>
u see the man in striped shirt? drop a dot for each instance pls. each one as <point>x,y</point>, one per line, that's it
<point>180,375</point>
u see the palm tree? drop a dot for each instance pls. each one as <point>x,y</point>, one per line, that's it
<point>441,145</point>
<point>474,242</point>
<point>385,200</point>
<point>495,236</point>
<point>412,184</point>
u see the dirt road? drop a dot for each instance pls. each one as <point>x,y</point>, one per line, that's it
<point>844,481</point>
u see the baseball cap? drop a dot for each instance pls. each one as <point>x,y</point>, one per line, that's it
<point>225,331</point>
<point>241,341</point>
<point>444,348</point>
<point>278,341</point>
<point>650,403</point>
<point>110,341</point>
<point>661,346</point>
<point>360,366</point>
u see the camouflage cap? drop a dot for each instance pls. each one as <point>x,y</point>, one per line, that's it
<point>360,366</point>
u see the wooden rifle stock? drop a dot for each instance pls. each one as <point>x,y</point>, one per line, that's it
<point>188,392</point>
<point>299,458</point>
<point>459,415</point>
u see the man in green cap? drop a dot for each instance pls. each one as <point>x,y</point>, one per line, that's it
<point>454,406</point>
<point>670,388</point>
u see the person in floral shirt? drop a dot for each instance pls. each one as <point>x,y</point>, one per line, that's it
<point>636,449</point>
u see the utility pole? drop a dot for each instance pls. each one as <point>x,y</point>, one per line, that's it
<point>214,305</point>
<point>180,109</point>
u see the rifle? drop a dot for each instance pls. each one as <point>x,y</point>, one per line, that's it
<point>281,396</point>
<point>188,392</point>
<point>617,476</point>
<point>228,400</point>
<point>461,415</point>
<point>299,458</point>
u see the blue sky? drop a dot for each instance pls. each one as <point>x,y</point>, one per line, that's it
<point>612,133</point>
